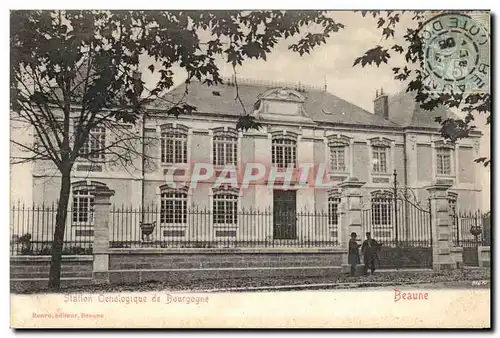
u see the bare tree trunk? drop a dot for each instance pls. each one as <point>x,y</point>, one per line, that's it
<point>57,244</point>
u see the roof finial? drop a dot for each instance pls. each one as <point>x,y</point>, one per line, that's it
<point>376,93</point>
<point>381,91</point>
<point>326,86</point>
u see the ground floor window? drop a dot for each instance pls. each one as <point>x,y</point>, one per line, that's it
<point>173,208</point>
<point>225,208</point>
<point>83,207</point>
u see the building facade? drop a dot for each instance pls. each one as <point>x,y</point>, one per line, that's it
<point>301,126</point>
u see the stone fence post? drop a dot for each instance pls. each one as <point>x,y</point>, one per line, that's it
<point>350,220</point>
<point>442,257</point>
<point>102,195</point>
<point>484,256</point>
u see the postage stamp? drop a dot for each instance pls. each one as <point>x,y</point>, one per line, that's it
<point>456,54</point>
<point>244,169</point>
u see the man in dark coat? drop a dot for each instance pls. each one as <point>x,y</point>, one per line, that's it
<point>353,253</point>
<point>370,251</point>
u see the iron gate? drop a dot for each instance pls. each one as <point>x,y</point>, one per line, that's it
<point>397,221</point>
<point>403,225</point>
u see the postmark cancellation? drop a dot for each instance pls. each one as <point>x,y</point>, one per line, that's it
<point>456,53</point>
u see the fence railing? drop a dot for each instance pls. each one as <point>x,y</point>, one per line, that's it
<point>470,229</point>
<point>204,228</point>
<point>32,230</point>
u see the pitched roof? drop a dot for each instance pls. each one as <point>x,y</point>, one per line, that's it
<point>320,106</point>
<point>405,111</point>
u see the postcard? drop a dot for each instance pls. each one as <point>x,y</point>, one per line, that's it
<point>250,169</point>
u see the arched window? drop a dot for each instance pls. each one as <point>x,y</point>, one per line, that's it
<point>173,208</point>
<point>284,150</point>
<point>225,146</point>
<point>225,207</point>
<point>173,144</point>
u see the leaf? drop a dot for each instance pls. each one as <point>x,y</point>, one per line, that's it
<point>375,55</point>
<point>183,108</point>
<point>247,122</point>
<point>397,48</point>
<point>388,32</point>
<point>486,162</point>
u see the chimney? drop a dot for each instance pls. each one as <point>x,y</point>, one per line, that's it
<point>381,104</point>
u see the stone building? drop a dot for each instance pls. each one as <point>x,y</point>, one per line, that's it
<point>300,125</point>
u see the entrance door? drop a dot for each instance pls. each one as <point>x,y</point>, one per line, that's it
<point>284,214</point>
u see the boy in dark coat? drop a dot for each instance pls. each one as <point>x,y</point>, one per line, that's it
<point>370,251</point>
<point>353,253</point>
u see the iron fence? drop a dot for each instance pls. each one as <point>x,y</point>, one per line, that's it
<point>470,229</point>
<point>203,228</point>
<point>32,230</point>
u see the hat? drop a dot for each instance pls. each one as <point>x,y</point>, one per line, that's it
<point>353,234</point>
<point>368,234</point>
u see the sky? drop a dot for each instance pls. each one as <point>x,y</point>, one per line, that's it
<point>333,63</point>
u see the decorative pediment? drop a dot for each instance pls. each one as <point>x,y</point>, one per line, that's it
<point>283,94</point>
<point>380,142</point>
<point>86,185</point>
<point>444,144</point>
<point>168,189</point>
<point>225,131</point>
<point>381,194</point>
<point>338,141</point>
<point>178,128</point>
<point>281,104</point>
<point>226,189</point>
<point>334,193</point>
<point>284,134</point>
